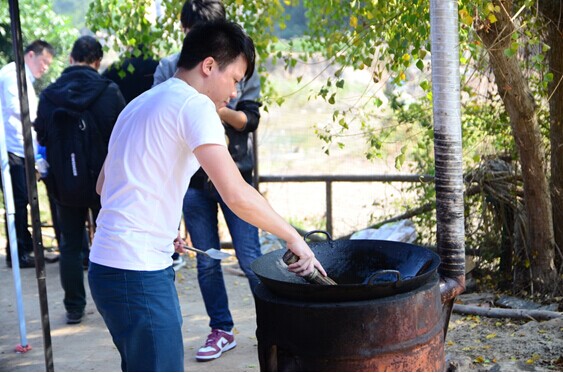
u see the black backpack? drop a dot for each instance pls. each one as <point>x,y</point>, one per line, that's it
<point>76,152</point>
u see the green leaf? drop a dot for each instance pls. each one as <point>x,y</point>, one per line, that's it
<point>545,48</point>
<point>509,52</point>
<point>399,160</point>
<point>331,100</point>
<point>378,102</point>
<point>420,65</point>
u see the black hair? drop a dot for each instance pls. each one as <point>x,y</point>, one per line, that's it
<point>87,49</point>
<point>38,46</point>
<point>224,41</point>
<point>198,11</point>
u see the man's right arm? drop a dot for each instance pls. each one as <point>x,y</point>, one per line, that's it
<point>11,95</point>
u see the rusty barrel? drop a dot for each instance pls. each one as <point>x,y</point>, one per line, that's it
<point>403,332</point>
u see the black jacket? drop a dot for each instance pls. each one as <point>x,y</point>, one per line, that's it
<point>132,84</point>
<point>79,88</point>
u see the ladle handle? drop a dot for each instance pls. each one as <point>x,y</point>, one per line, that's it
<point>314,277</point>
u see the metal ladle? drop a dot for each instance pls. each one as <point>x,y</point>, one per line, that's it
<point>212,253</point>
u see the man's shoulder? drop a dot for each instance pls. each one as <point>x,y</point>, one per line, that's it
<point>10,66</point>
<point>8,72</point>
<point>173,58</point>
<point>165,69</point>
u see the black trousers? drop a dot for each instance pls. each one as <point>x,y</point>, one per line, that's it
<point>19,187</point>
<point>72,221</point>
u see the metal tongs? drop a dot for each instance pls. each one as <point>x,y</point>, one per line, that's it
<point>212,253</point>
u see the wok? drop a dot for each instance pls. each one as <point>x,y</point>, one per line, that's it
<point>362,269</point>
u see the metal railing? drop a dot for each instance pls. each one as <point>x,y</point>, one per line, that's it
<point>330,179</point>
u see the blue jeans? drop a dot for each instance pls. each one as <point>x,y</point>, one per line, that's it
<point>200,213</point>
<point>142,313</point>
<point>72,223</point>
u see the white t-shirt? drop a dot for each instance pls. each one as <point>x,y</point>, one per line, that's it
<point>10,105</point>
<point>147,172</point>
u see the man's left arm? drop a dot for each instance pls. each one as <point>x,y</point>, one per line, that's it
<point>246,115</point>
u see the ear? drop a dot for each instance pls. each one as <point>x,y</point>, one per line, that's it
<point>96,64</point>
<point>207,65</point>
<point>29,55</point>
<point>70,60</point>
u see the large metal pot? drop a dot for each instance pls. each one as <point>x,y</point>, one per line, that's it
<point>363,269</point>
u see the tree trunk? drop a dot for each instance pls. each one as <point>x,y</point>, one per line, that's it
<point>520,105</point>
<point>552,10</point>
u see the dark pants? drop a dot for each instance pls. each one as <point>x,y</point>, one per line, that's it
<point>72,222</point>
<point>19,188</point>
<point>57,229</point>
<point>142,313</point>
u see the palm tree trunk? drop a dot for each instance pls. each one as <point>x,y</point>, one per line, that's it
<point>447,137</point>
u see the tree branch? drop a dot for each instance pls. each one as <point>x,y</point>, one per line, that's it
<point>506,312</point>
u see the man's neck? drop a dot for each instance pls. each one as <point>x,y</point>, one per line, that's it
<point>188,76</point>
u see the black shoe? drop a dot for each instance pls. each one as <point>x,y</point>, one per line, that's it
<point>74,317</point>
<point>26,261</point>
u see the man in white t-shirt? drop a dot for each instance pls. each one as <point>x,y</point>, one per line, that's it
<point>159,141</point>
<point>38,56</point>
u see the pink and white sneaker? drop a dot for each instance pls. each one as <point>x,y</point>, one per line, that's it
<point>218,341</point>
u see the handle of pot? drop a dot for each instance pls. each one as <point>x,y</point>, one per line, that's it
<point>328,236</point>
<point>314,277</point>
<point>372,280</point>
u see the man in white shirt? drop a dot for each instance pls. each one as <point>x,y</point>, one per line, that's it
<point>38,56</point>
<point>159,141</point>
<point>202,202</point>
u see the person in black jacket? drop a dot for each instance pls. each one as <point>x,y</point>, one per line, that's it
<point>133,74</point>
<point>80,87</point>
